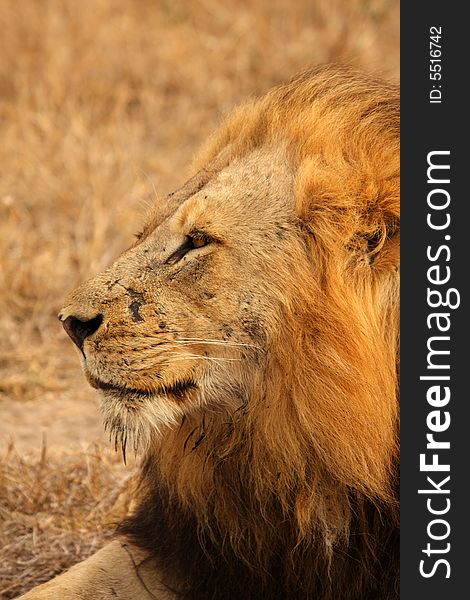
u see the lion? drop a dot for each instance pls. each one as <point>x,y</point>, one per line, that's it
<point>246,345</point>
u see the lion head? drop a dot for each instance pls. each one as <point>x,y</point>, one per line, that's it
<point>247,345</point>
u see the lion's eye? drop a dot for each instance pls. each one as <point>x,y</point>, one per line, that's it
<point>198,240</point>
<point>193,242</point>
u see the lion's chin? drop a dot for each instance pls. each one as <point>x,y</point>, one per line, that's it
<point>134,418</point>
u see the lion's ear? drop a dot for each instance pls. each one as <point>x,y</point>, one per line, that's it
<point>389,258</point>
<point>378,245</point>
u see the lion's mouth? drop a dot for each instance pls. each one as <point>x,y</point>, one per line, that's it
<point>177,390</point>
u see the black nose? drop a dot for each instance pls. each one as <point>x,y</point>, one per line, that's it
<point>80,330</point>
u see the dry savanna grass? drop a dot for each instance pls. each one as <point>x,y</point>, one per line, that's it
<point>102,106</point>
<point>55,509</point>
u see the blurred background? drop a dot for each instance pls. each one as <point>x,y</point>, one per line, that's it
<point>103,104</point>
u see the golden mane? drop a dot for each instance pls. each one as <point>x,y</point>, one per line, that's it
<point>295,494</point>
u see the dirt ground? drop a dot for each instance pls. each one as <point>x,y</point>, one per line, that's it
<point>103,104</point>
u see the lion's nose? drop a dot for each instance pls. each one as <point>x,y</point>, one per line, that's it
<point>79,330</point>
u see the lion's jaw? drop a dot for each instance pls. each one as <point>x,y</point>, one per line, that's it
<point>186,312</point>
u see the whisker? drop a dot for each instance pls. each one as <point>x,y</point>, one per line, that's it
<point>197,331</point>
<point>187,340</point>
<point>219,342</point>
<point>196,356</point>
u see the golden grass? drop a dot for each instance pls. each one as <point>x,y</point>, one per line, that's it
<point>55,510</point>
<point>102,105</point>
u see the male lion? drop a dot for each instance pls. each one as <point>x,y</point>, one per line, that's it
<point>247,344</point>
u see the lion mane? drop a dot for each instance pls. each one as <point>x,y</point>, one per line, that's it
<point>287,487</point>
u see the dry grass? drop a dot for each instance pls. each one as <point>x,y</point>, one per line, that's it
<point>54,510</point>
<point>103,104</point>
